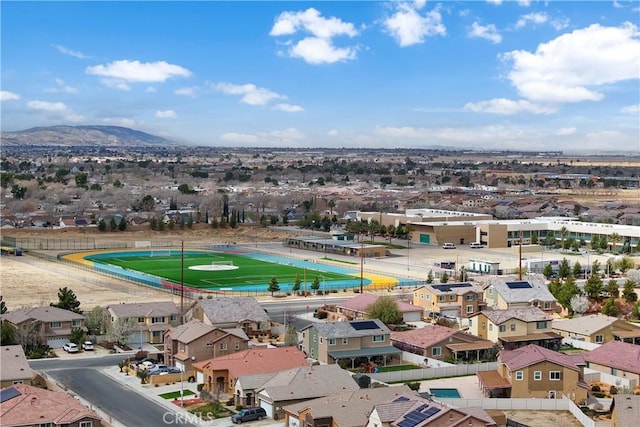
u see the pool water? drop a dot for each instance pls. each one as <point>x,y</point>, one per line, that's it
<point>445,392</point>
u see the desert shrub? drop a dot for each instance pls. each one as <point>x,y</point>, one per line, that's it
<point>595,388</point>
<point>415,386</point>
<point>613,390</point>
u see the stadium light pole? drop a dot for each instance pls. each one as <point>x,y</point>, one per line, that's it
<point>181,281</point>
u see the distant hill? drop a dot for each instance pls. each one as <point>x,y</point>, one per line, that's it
<point>73,136</point>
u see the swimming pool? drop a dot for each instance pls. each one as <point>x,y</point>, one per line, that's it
<point>445,392</point>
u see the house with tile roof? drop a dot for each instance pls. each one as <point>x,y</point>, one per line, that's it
<point>14,368</point>
<point>354,343</point>
<point>300,384</point>
<point>50,326</point>
<point>348,409</point>
<point>409,410</point>
<point>356,308</point>
<point>442,343</point>
<point>617,359</point>
<point>537,372</point>
<point>26,406</point>
<point>449,299</point>
<point>196,341</point>
<point>516,327</point>
<point>232,312</point>
<point>221,373</point>
<point>510,292</point>
<point>152,319</point>
<point>597,329</point>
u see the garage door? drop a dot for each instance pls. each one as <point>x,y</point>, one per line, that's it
<point>449,313</point>
<point>57,342</point>
<point>137,340</point>
<point>267,407</point>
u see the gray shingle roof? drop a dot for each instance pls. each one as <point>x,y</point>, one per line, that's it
<point>538,291</point>
<point>14,364</point>
<point>584,325</point>
<point>309,382</point>
<point>528,314</point>
<point>43,314</point>
<point>233,310</point>
<point>144,309</point>
<point>347,330</point>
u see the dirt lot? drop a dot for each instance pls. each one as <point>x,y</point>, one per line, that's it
<point>544,418</point>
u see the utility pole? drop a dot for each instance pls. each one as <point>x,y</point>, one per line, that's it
<point>361,266</point>
<point>182,282</point>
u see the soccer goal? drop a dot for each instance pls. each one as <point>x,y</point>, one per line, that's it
<point>160,253</point>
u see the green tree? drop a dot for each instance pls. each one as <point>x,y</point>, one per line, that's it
<point>67,300</point>
<point>577,269</point>
<point>296,283</point>
<point>609,307</point>
<point>273,285</point>
<point>564,270</point>
<point>112,225</point>
<point>567,291</point>
<point>430,277</point>
<point>593,286</point>
<point>102,226</point>
<point>77,336</point>
<point>625,264</point>
<point>612,288</point>
<point>315,285</point>
<point>96,320</point>
<point>8,334</point>
<point>147,204</point>
<point>385,309</point>
<point>629,291</point>
<point>595,242</point>
<point>3,306</point>
<point>463,274</point>
<point>444,278</point>
<point>547,271</point>
<point>615,238</point>
<point>563,234</point>
<point>81,179</point>
<point>291,337</point>
<point>122,226</point>
<point>596,267</point>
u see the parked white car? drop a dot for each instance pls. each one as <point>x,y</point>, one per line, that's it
<point>87,346</point>
<point>146,365</point>
<point>70,347</point>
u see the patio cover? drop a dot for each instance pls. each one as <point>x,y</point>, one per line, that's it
<point>533,337</point>
<point>491,380</point>
<point>365,352</point>
<point>469,346</point>
<point>626,334</point>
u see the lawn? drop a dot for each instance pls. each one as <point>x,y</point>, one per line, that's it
<point>211,411</point>
<point>175,394</point>
<point>243,272</point>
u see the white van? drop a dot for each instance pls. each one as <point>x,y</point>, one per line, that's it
<point>448,246</point>
<point>475,245</point>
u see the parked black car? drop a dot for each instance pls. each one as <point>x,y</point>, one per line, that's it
<point>248,414</point>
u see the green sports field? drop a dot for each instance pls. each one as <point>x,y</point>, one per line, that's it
<point>246,272</point>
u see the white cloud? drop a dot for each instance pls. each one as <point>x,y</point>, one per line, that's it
<point>137,72</point>
<point>524,3</point>
<point>332,133</point>
<point>116,84</point>
<point>319,48</point>
<point>186,91</point>
<point>495,2</point>
<point>631,109</point>
<point>288,135</point>
<point>121,121</point>
<point>151,89</point>
<point>5,95</point>
<point>570,67</point>
<point>166,114</point>
<point>56,110</point>
<point>535,18</point>
<point>566,131</point>
<point>408,27</point>
<point>288,23</point>
<point>487,32</point>
<point>315,50</point>
<point>74,53</point>
<point>241,138</point>
<point>507,107</point>
<point>289,108</point>
<point>251,94</point>
<point>61,87</point>
<point>560,23</point>
<point>617,5</point>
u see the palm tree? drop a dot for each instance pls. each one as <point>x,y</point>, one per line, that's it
<point>615,238</point>
<point>563,233</point>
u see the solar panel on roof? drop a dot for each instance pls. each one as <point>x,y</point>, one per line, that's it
<point>459,285</point>
<point>519,285</point>
<point>431,411</point>
<point>442,288</point>
<point>8,393</point>
<point>364,325</point>
<point>401,399</point>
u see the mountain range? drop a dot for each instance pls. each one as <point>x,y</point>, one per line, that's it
<point>92,135</point>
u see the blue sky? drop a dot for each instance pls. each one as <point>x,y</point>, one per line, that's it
<point>528,75</point>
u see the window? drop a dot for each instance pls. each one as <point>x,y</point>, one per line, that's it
<point>55,324</point>
<point>157,334</point>
<point>452,297</point>
<point>470,297</point>
<point>209,344</point>
<point>491,326</point>
<point>304,335</point>
<point>18,382</point>
<point>157,320</point>
<point>513,326</point>
<point>181,346</point>
<point>313,353</point>
<point>541,325</point>
<point>345,340</point>
<point>428,297</point>
<point>537,375</point>
<point>315,339</point>
<point>436,351</point>
<point>442,298</point>
<point>555,375</point>
<point>332,341</point>
<point>490,291</point>
<point>46,425</point>
<point>86,424</point>
<point>502,328</point>
<point>237,345</point>
<point>483,325</point>
<point>174,317</point>
<point>321,340</point>
<point>76,322</point>
<point>519,375</point>
<point>378,338</point>
<point>140,319</point>
<point>599,339</point>
<point>470,322</point>
<point>223,346</point>
<point>469,309</point>
<point>547,305</point>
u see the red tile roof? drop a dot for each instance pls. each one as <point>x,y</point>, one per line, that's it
<point>360,303</point>
<point>532,354</point>
<point>616,354</point>
<point>255,361</point>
